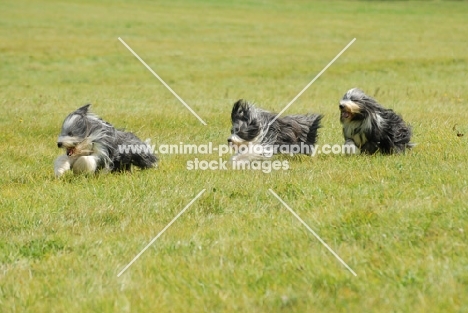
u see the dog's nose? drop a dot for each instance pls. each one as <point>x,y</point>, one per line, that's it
<point>59,144</point>
<point>229,140</point>
<point>341,106</point>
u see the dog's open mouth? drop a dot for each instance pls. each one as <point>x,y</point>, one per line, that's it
<point>345,114</point>
<point>70,151</point>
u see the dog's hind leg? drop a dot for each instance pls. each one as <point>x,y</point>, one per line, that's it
<point>85,164</point>
<point>62,164</point>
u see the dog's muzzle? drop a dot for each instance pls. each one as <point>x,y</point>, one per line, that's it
<point>70,151</point>
<point>344,113</point>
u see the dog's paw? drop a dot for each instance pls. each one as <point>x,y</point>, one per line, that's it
<point>349,148</point>
<point>59,172</point>
<point>61,165</point>
<point>239,163</point>
<point>85,164</point>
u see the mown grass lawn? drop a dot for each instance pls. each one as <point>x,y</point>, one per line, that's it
<point>399,222</point>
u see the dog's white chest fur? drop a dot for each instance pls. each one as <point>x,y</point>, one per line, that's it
<point>356,130</point>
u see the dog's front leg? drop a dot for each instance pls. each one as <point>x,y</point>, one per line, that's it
<point>85,164</point>
<point>350,147</point>
<point>62,164</point>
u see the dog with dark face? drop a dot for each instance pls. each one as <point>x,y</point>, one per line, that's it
<point>369,128</point>
<point>92,144</point>
<point>266,134</point>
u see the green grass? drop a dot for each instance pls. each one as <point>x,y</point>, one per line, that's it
<point>399,222</point>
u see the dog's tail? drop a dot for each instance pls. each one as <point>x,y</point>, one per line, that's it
<point>402,136</point>
<point>144,160</point>
<point>312,135</point>
<point>304,127</point>
<point>133,151</point>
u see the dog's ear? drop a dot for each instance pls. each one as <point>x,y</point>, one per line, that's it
<point>83,109</point>
<point>239,109</point>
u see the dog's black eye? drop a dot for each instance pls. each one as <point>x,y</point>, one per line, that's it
<point>70,134</point>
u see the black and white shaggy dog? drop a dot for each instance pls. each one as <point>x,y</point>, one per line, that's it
<point>368,127</point>
<point>92,144</point>
<point>262,135</point>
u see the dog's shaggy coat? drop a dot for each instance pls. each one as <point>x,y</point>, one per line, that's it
<point>252,125</point>
<point>92,144</point>
<point>369,127</point>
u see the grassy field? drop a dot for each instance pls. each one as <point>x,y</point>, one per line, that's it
<point>399,222</point>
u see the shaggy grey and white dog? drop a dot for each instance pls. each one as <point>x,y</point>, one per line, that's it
<point>92,144</point>
<point>368,127</point>
<point>289,134</point>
